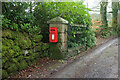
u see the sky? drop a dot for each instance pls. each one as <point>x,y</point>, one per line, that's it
<point>95,5</point>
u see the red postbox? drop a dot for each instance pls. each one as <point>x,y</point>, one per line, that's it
<point>53,34</point>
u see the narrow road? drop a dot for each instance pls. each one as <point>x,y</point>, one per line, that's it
<point>100,63</point>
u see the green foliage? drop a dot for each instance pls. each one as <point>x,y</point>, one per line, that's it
<point>45,53</point>
<point>5,22</point>
<point>4,48</point>
<point>90,38</point>
<point>25,31</point>
<point>12,68</point>
<point>105,34</point>
<point>86,38</point>
<point>22,20</point>
<point>14,26</point>
<point>73,12</point>
<point>4,74</point>
<point>5,58</point>
<point>72,44</point>
<point>37,38</point>
<point>45,46</point>
<point>16,48</point>
<point>77,12</point>
<point>11,52</point>
<point>110,32</point>
<point>20,57</point>
<point>24,44</point>
<point>16,9</point>
<point>23,65</point>
<point>7,34</point>
<point>26,27</point>
<point>37,48</point>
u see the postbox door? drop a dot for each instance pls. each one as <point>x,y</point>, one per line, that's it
<point>53,34</point>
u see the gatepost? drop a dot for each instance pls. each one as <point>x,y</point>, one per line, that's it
<point>58,49</point>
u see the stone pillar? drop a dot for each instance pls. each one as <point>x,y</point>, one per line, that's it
<point>58,50</point>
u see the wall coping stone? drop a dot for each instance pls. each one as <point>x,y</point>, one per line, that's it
<point>57,20</point>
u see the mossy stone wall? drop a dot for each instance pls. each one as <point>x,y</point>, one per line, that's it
<point>20,50</point>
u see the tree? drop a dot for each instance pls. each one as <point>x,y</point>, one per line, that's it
<point>115,8</point>
<point>74,12</point>
<point>15,11</point>
<point>119,20</point>
<point>18,12</point>
<point>103,13</point>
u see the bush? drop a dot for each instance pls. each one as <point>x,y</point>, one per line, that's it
<point>7,34</point>
<point>75,13</point>
<point>37,48</point>
<point>12,68</point>
<point>18,36</point>
<point>37,38</point>
<point>90,38</point>
<point>16,48</point>
<point>45,46</point>
<point>23,65</point>
<point>4,74</point>
<point>85,39</point>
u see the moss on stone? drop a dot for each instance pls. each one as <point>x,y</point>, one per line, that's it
<point>55,52</point>
<point>14,43</point>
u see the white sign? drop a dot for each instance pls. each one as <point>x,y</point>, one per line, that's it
<point>52,36</point>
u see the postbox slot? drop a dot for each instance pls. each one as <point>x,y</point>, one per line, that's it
<point>52,29</point>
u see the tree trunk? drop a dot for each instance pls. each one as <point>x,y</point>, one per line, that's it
<point>115,15</point>
<point>103,13</point>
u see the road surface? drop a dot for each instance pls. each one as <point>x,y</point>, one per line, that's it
<point>100,63</point>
